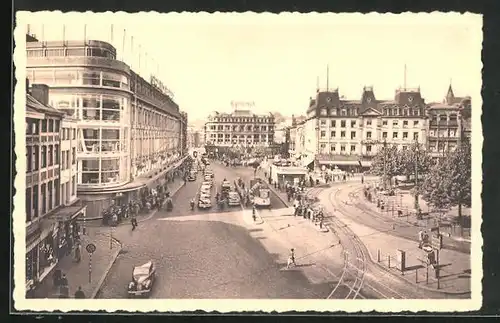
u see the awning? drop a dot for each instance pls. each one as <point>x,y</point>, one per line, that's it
<point>47,227</point>
<point>339,162</point>
<point>67,213</point>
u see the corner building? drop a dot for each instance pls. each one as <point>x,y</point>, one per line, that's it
<point>348,133</point>
<point>128,131</point>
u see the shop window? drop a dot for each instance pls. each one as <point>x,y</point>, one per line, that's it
<point>110,177</point>
<point>46,254</point>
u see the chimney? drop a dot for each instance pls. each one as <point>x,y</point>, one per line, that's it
<point>41,93</point>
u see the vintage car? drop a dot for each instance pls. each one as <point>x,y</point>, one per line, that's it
<point>205,189</point>
<point>143,277</point>
<point>204,203</point>
<point>207,183</point>
<point>233,199</point>
<point>191,177</point>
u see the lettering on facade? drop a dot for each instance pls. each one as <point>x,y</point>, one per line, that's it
<point>242,104</point>
<point>156,83</point>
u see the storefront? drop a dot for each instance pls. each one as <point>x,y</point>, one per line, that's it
<point>40,257</point>
<point>69,230</point>
<point>292,175</point>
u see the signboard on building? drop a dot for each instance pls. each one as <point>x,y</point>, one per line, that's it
<point>155,82</point>
<point>242,104</point>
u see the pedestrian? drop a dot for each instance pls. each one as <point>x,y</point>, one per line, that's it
<point>291,259</point>
<point>78,253</point>
<point>79,293</point>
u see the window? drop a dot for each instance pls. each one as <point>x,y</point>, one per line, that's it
<point>405,123</point>
<point>368,148</point>
<point>342,134</point>
<point>51,155</point>
<point>415,136</point>
<point>43,195</point>
<point>384,135</point>
<point>343,112</point>
<point>353,148</point>
<point>342,123</point>
<point>57,126</point>
<point>332,134</point>
<point>353,134</point>
<point>36,157</point>
<point>384,122</point>
<point>322,145</point>
<point>353,123</point>
<point>29,158</point>
<point>51,194</point>
<point>323,134</point>
<point>44,125</point>
<point>73,155</point>
<point>394,135</point>
<point>44,156</point>
<point>405,135</point>
<point>369,122</point>
<point>415,123</point>
<point>332,123</point>
<point>342,147</point>
<point>51,125</point>
<point>29,208</point>
<point>395,123</point>
<point>323,122</point>
<point>368,134</point>
<point>332,148</point>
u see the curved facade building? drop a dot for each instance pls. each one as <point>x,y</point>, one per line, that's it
<point>127,128</point>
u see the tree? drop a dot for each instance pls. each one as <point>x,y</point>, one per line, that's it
<point>449,182</point>
<point>389,162</point>
<point>415,158</point>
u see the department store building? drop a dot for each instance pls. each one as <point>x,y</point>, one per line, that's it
<point>129,129</point>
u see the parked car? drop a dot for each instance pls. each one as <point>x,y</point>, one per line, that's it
<point>143,277</point>
<point>191,177</point>
<point>204,203</point>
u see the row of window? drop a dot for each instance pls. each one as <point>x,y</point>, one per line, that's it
<point>66,156</point>
<point>36,127</point>
<point>68,134</point>
<point>353,123</point>
<point>353,112</point>
<point>242,128</point>
<point>368,135</point>
<point>220,135</point>
<point>244,120</point>
<point>145,89</point>
<point>76,77</point>
<point>70,51</point>
<point>352,148</point>
<point>145,117</point>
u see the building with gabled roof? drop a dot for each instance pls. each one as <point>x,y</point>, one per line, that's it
<point>348,133</point>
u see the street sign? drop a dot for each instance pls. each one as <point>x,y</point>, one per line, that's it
<point>437,241</point>
<point>91,248</point>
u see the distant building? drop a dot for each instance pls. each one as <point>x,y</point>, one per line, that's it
<point>347,133</point>
<point>240,129</point>
<point>52,207</point>
<point>194,138</point>
<point>449,124</point>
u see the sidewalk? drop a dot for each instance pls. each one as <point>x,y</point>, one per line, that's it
<point>174,187</point>
<point>407,225</point>
<point>455,266</point>
<point>78,273</point>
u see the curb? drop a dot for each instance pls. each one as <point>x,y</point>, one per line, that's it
<point>108,268</point>
<point>434,290</point>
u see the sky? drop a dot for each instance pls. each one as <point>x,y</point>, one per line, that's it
<point>207,61</point>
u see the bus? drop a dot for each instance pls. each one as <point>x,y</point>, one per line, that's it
<point>260,193</point>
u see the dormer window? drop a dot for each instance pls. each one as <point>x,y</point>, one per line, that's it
<point>323,112</point>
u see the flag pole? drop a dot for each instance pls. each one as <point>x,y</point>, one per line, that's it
<point>131,51</point>
<point>123,45</point>
<point>64,34</point>
<point>85,34</point>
